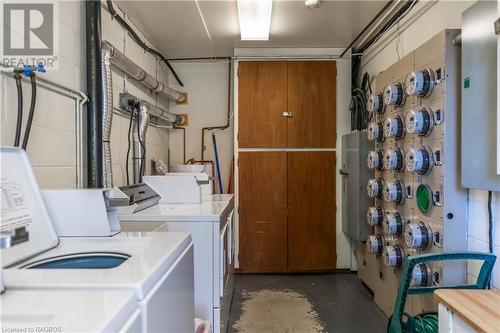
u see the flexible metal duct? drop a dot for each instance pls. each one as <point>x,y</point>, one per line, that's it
<point>140,144</point>
<point>107,117</point>
<point>137,73</point>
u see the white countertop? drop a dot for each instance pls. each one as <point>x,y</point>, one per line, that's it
<point>211,209</point>
<point>66,311</point>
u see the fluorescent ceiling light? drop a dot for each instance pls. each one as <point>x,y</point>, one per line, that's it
<point>255,19</point>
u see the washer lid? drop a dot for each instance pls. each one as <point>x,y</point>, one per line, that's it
<point>22,206</point>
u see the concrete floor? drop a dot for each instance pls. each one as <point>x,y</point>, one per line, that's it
<point>279,303</point>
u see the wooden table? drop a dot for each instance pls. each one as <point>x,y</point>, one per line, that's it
<point>479,309</point>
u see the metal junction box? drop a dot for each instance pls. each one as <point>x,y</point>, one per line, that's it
<point>480,109</point>
<point>355,174</point>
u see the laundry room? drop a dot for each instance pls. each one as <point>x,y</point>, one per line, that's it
<point>250,166</point>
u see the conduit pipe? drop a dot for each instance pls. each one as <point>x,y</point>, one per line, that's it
<point>137,73</point>
<point>107,117</point>
<point>228,117</point>
<point>94,85</point>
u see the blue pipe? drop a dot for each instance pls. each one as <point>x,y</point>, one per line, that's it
<point>217,163</point>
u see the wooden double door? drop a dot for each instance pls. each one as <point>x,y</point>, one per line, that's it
<point>286,163</point>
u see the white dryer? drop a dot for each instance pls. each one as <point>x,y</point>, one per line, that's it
<point>156,267</point>
<point>210,223</point>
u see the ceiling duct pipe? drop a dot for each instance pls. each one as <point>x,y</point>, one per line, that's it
<point>107,117</point>
<point>94,107</point>
<point>137,73</point>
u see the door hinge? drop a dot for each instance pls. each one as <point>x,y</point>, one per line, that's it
<point>497,27</point>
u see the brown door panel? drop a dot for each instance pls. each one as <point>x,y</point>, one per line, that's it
<point>311,211</point>
<point>312,102</point>
<point>262,96</point>
<point>262,211</point>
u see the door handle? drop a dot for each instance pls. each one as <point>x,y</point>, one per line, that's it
<point>344,172</point>
<point>288,114</point>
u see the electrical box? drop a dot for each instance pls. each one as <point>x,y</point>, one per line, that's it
<point>417,203</point>
<point>480,108</point>
<point>354,175</point>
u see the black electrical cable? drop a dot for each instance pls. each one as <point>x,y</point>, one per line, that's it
<point>128,148</point>
<point>359,99</point>
<point>490,227</point>
<point>490,222</point>
<point>31,113</point>
<point>143,155</point>
<point>19,122</point>
<point>138,40</point>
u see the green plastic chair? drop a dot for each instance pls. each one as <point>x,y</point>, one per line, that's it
<point>412,324</point>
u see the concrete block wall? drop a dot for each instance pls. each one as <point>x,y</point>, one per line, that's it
<point>442,15</point>
<point>52,145</point>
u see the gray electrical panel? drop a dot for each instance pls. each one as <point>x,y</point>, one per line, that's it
<point>354,176</point>
<point>480,160</point>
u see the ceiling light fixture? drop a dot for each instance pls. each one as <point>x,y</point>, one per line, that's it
<point>312,3</point>
<point>255,19</point>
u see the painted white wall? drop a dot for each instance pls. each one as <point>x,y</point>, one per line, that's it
<point>207,86</point>
<point>438,16</point>
<point>343,242</point>
<point>52,145</point>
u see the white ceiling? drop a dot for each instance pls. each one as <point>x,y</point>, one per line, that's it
<point>176,27</point>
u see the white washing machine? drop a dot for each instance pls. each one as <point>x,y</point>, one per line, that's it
<point>210,224</point>
<point>156,267</point>
<point>69,311</point>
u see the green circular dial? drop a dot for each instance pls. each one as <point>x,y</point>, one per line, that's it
<point>424,198</point>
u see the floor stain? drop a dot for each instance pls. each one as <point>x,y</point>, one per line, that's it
<point>277,311</point>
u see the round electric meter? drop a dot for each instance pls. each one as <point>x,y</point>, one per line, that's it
<point>376,103</point>
<point>375,131</point>
<point>393,256</point>
<point>394,95</point>
<point>417,235</point>
<point>421,276</point>
<point>374,244</point>
<point>419,83</point>
<point>374,159</point>
<point>393,159</point>
<point>393,224</point>
<point>419,160</point>
<point>374,188</point>
<point>394,192</point>
<point>420,121</point>
<point>374,215</point>
<point>394,128</point>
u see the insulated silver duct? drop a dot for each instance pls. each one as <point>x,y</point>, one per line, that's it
<point>140,143</point>
<point>137,73</point>
<point>107,117</point>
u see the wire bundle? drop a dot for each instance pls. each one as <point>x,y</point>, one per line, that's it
<point>359,98</point>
